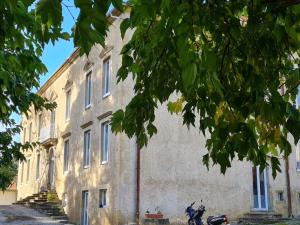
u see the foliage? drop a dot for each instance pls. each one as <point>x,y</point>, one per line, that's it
<point>226,60</point>
<point>26,26</point>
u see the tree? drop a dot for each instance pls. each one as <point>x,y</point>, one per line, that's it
<point>225,60</point>
<point>228,61</point>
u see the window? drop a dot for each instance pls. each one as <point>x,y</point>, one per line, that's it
<point>30,132</point>
<point>86,148</point>
<point>28,170</point>
<point>104,142</point>
<point>102,198</point>
<point>22,172</point>
<point>85,208</point>
<point>106,77</point>
<point>280,196</point>
<point>68,104</point>
<point>298,157</point>
<point>66,155</point>
<point>39,125</point>
<point>298,145</point>
<point>38,159</point>
<point>88,89</point>
<point>24,135</point>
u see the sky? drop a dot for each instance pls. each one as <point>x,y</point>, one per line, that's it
<point>55,55</point>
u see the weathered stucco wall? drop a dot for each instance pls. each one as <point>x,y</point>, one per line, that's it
<point>172,174</point>
<point>8,197</point>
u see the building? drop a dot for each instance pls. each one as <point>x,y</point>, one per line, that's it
<point>95,172</point>
<point>9,196</point>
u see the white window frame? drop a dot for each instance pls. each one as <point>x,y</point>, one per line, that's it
<point>85,208</point>
<point>24,135</point>
<point>88,90</point>
<point>105,133</point>
<point>298,157</point>
<point>103,199</point>
<point>30,133</point>
<point>38,165</point>
<point>106,77</point>
<point>68,105</point>
<point>39,124</point>
<point>87,149</point>
<point>298,145</point>
<point>66,155</point>
<point>28,170</point>
<point>22,172</point>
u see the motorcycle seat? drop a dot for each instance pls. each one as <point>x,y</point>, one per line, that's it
<point>216,220</point>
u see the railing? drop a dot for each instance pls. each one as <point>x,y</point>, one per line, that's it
<point>48,133</point>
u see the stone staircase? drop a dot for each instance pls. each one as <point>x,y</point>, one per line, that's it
<point>261,218</point>
<point>48,203</point>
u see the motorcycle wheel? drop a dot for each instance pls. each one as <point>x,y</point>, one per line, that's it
<point>191,222</point>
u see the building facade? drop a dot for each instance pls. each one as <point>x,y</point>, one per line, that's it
<point>95,172</point>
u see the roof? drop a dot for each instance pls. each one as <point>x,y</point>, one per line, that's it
<point>12,187</point>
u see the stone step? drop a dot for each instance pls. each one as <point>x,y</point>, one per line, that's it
<point>62,217</point>
<point>262,215</point>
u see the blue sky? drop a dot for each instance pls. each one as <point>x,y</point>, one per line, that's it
<point>55,55</point>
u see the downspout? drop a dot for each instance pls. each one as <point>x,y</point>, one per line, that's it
<point>138,168</point>
<point>287,174</point>
<point>288,186</point>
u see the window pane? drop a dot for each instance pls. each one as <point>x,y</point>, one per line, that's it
<point>86,151</point>
<point>40,124</point>
<point>104,142</point>
<point>24,137</point>
<point>298,156</point>
<point>22,172</point>
<point>106,77</point>
<point>88,89</point>
<point>68,104</point>
<point>38,166</point>
<point>66,155</point>
<point>28,169</point>
<point>298,98</point>
<point>102,198</point>
<point>30,129</point>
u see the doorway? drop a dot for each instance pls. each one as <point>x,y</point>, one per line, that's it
<point>51,172</point>
<point>260,189</point>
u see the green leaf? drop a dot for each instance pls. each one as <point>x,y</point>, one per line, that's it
<point>124,26</point>
<point>189,74</point>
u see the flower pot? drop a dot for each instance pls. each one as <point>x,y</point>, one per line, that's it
<point>153,216</point>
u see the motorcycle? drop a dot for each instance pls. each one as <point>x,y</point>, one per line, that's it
<point>195,216</point>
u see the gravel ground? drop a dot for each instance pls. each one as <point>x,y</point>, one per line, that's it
<point>18,215</point>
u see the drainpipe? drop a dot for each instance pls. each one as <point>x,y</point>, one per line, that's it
<point>287,174</point>
<point>288,186</point>
<point>138,168</point>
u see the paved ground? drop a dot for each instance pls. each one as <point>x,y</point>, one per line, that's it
<point>18,215</point>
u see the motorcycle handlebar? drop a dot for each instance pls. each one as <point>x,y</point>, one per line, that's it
<point>193,203</point>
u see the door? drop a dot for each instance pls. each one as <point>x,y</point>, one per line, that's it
<point>85,208</point>
<point>260,189</point>
<point>51,173</point>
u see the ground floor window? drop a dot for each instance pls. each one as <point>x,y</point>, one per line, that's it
<point>85,207</point>
<point>102,198</point>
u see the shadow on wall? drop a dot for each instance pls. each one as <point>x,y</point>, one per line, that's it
<point>78,179</point>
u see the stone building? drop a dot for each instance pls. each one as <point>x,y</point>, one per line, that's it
<point>95,172</point>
